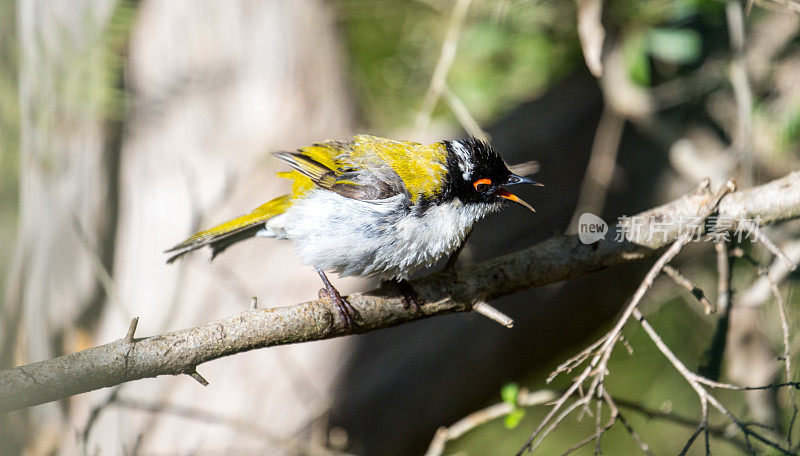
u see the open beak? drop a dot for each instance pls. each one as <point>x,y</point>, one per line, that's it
<point>514,180</point>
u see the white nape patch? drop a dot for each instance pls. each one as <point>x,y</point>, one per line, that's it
<point>373,238</point>
<point>464,159</point>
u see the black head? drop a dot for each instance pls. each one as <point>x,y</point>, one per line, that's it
<point>477,174</point>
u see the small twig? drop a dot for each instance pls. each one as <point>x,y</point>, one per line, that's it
<point>718,432</point>
<point>712,367</point>
<point>773,285</point>
<point>597,426</point>
<point>132,329</point>
<point>461,112</point>
<point>688,285</point>
<point>771,246</point>
<point>601,167</point>
<point>723,275</point>
<point>196,375</point>
<point>446,59</point>
<point>490,312</point>
<point>692,438</point>
<point>741,89</point>
<point>612,405</point>
<point>595,436</point>
<point>525,398</point>
<point>695,381</point>
<point>568,365</point>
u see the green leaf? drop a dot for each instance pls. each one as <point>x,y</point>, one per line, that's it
<point>513,419</point>
<point>637,59</point>
<point>680,46</point>
<point>509,393</point>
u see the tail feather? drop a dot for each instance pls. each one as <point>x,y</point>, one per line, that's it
<point>238,229</point>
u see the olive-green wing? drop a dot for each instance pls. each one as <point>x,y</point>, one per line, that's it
<point>420,169</point>
<point>328,165</point>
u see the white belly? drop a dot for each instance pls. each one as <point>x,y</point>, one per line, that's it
<point>366,238</point>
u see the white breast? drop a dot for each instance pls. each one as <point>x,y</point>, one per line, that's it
<point>366,238</point>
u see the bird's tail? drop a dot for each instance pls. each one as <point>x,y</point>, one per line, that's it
<point>223,236</point>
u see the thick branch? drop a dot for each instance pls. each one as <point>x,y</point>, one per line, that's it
<point>556,259</point>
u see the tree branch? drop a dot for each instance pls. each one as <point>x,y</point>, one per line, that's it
<point>554,260</point>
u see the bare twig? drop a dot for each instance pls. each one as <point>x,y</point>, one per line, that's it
<point>490,312</point>
<point>591,33</point>
<point>712,367</point>
<point>468,123</point>
<point>559,258</point>
<point>720,432</point>
<point>612,404</point>
<point>741,89</point>
<point>761,237</point>
<point>786,355</point>
<point>446,59</point>
<point>696,381</point>
<point>525,398</point>
<point>697,292</point>
<point>723,275</point>
<point>601,167</point>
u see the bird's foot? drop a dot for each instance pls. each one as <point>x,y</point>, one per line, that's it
<point>410,297</point>
<point>348,312</point>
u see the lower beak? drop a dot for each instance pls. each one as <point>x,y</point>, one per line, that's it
<point>512,197</point>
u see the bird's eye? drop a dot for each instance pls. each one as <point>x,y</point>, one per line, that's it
<point>482,185</point>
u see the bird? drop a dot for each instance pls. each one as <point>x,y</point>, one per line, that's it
<point>374,207</point>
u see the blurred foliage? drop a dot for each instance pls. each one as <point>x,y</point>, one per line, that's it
<point>9,134</point>
<point>509,52</point>
<point>509,394</point>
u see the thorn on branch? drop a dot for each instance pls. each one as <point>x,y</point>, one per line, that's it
<point>490,312</point>
<point>196,375</point>
<point>132,329</point>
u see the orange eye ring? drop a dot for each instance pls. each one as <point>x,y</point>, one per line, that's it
<point>482,185</point>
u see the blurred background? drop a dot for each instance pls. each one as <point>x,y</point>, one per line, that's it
<point>127,125</point>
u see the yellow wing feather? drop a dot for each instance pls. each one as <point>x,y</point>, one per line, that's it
<point>259,215</point>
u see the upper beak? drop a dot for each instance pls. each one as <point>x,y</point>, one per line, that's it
<point>514,180</point>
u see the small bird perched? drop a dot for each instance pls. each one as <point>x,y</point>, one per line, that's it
<point>374,207</point>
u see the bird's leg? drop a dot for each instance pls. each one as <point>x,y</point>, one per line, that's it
<point>345,309</point>
<point>453,260</point>
<point>410,297</point>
